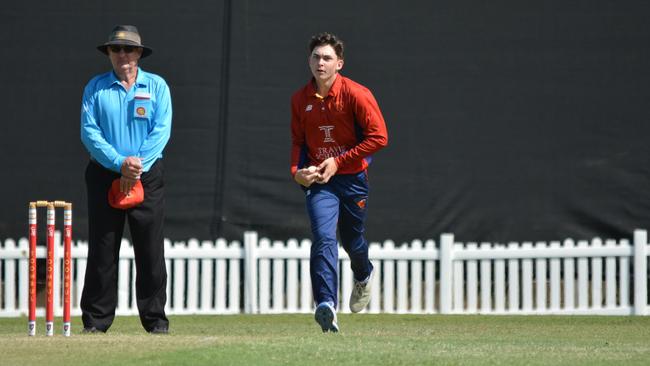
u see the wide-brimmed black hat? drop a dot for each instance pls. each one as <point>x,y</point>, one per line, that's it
<point>126,35</point>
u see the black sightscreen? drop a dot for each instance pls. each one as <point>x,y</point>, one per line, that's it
<point>508,120</point>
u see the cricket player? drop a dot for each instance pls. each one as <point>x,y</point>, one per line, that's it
<point>336,125</point>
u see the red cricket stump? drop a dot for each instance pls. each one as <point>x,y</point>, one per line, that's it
<point>67,266</point>
<point>31,325</point>
<point>49,274</point>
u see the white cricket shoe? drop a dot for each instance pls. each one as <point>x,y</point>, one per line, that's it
<point>360,296</point>
<point>325,316</point>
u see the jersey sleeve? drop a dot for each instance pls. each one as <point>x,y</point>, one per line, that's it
<point>373,127</point>
<point>92,136</point>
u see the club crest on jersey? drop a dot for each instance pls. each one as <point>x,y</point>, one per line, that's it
<point>328,133</point>
<point>308,108</point>
<point>361,203</point>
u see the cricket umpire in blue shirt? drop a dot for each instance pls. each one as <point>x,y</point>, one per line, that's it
<point>126,118</point>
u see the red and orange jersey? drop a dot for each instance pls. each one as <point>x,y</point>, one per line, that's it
<point>346,124</point>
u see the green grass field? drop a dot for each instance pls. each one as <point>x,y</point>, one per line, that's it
<point>363,340</point>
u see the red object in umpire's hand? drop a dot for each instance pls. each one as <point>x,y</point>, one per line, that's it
<point>123,201</point>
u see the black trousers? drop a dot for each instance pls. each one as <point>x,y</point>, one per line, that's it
<point>105,230</point>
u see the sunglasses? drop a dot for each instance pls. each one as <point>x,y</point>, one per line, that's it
<point>117,49</point>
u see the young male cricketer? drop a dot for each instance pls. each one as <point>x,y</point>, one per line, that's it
<point>336,125</point>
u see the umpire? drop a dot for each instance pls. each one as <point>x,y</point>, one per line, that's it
<point>126,118</point>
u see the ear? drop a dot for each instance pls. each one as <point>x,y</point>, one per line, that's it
<point>339,64</point>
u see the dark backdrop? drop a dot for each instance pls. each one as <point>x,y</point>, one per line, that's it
<point>508,120</point>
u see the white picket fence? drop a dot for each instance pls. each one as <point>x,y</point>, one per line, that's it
<point>584,277</point>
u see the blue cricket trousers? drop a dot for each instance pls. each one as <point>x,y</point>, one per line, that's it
<point>341,202</point>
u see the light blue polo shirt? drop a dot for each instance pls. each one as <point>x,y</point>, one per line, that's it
<point>116,123</point>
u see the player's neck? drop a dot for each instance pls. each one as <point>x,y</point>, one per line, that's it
<point>323,86</point>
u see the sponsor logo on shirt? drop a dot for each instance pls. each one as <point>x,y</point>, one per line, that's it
<point>329,152</point>
<point>141,111</point>
<point>309,108</point>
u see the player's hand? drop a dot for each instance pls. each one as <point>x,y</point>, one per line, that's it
<point>132,168</point>
<point>126,184</point>
<point>327,169</point>
<point>307,176</point>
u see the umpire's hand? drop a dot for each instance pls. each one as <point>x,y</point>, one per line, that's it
<point>132,167</point>
<point>131,172</point>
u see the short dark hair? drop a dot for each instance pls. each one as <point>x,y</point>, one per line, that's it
<point>326,38</point>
